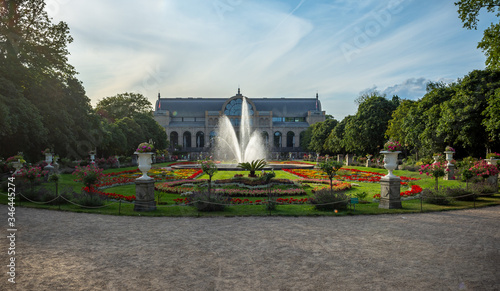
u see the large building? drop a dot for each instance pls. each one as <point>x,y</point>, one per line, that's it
<point>191,123</point>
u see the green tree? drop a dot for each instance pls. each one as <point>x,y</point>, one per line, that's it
<point>305,138</point>
<point>320,132</point>
<point>334,143</point>
<point>364,133</point>
<point>492,116</point>
<point>468,11</point>
<point>123,105</point>
<point>330,168</point>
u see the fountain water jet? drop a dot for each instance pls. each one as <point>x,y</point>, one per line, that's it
<point>248,147</point>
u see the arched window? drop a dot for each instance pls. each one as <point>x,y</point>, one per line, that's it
<point>186,140</point>
<point>290,136</point>
<point>277,139</point>
<point>200,139</point>
<point>213,135</point>
<point>174,138</point>
<point>265,138</point>
<point>234,108</point>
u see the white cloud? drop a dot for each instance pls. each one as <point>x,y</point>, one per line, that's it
<point>270,48</point>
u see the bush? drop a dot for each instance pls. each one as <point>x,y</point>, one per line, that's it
<point>325,199</point>
<point>483,188</point>
<point>437,197</point>
<point>459,193</point>
<point>66,195</point>
<point>204,201</point>
<point>90,201</point>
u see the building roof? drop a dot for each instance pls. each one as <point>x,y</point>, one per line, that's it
<point>196,107</point>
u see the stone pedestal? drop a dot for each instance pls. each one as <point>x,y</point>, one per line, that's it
<point>348,160</point>
<point>450,174</point>
<point>368,163</point>
<point>340,158</point>
<point>145,195</point>
<point>50,170</point>
<point>493,180</point>
<point>390,193</point>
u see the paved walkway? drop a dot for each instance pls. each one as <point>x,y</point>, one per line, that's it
<point>456,250</point>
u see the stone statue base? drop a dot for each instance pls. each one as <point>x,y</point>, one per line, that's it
<point>450,174</point>
<point>145,195</point>
<point>390,193</point>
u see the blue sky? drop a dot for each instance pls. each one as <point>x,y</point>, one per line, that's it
<point>270,48</point>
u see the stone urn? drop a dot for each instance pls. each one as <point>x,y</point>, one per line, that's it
<point>449,156</point>
<point>436,158</point>
<point>92,158</point>
<point>492,161</point>
<point>48,158</point>
<point>390,162</point>
<point>144,161</point>
<point>17,165</point>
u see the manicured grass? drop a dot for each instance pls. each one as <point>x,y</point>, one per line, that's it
<point>170,209</point>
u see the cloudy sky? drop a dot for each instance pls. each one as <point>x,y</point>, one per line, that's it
<point>270,48</point>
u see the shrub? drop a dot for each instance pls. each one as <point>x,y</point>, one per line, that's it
<point>459,193</point>
<point>482,188</point>
<point>204,201</point>
<point>437,196</point>
<point>66,195</point>
<point>361,195</point>
<point>325,199</point>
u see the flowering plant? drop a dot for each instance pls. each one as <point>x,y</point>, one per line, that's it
<point>46,151</point>
<point>392,146</point>
<point>435,170</point>
<point>92,152</point>
<point>16,158</point>
<point>493,156</point>
<point>145,148</point>
<point>89,175</point>
<point>436,155</point>
<point>483,169</point>
<point>449,149</point>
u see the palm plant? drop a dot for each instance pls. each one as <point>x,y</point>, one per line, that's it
<point>255,165</point>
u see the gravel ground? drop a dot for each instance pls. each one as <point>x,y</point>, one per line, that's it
<point>456,250</point>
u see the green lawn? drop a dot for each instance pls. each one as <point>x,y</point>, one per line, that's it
<point>170,209</point>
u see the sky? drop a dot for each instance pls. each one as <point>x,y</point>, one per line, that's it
<point>268,48</point>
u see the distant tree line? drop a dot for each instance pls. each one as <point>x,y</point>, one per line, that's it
<point>464,114</point>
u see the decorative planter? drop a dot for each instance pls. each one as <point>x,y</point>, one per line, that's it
<point>493,161</point>
<point>92,158</point>
<point>144,164</point>
<point>17,165</point>
<point>48,158</point>
<point>449,156</point>
<point>390,162</point>
<point>436,158</point>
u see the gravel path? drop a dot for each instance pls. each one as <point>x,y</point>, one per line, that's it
<point>456,250</point>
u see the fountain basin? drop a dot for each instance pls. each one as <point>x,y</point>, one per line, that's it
<point>234,167</point>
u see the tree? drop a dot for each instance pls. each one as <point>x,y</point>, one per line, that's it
<point>45,103</point>
<point>335,141</point>
<point>305,138</point>
<point>320,132</point>
<point>364,133</point>
<point>492,117</point>
<point>330,168</point>
<point>468,11</point>
<point>123,105</point>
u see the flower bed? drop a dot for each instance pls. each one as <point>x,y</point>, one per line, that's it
<point>415,189</point>
<point>174,187</point>
<point>129,176</point>
<point>355,175</point>
<point>110,195</point>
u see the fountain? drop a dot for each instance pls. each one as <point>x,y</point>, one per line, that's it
<point>247,148</point>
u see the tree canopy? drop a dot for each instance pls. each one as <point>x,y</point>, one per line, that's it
<point>468,12</point>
